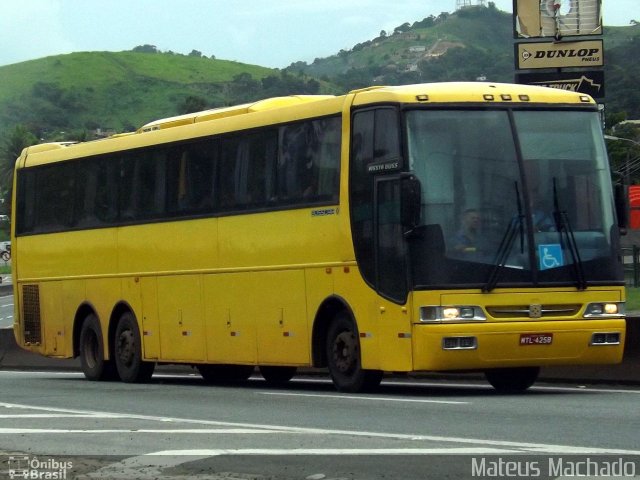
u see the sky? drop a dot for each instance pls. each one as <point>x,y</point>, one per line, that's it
<point>270,33</point>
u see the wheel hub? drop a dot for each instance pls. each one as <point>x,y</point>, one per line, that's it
<point>126,347</point>
<point>345,351</point>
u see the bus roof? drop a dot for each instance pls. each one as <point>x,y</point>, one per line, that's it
<point>465,92</point>
<point>206,115</point>
<point>307,106</point>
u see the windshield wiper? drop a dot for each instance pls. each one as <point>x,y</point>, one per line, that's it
<point>516,225</point>
<point>564,228</point>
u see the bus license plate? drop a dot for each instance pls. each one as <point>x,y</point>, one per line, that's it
<point>536,338</point>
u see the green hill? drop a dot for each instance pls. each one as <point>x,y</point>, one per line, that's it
<point>474,43</point>
<point>118,91</point>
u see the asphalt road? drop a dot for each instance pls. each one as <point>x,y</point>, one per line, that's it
<point>178,427</point>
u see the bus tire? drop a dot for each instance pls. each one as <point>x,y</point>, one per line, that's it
<point>277,375</point>
<point>91,346</point>
<point>343,358</point>
<point>215,373</point>
<point>512,380</point>
<point>127,351</point>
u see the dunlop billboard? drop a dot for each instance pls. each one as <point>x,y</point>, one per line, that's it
<point>589,82</point>
<point>588,53</point>
<point>556,18</point>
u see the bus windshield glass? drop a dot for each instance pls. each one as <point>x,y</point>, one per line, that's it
<point>511,198</point>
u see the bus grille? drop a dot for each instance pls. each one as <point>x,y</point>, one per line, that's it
<point>533,311</point>
<point>31,314</point>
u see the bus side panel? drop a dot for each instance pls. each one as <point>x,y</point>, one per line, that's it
<point>280,317</point>
<point>150,330</point>
<point>181,318</point>
<point>230,331</point>
<point>90,252</point>
<point>394,336</point>
<point>384,327</point>
<point>168,247</point>
<point>53,319</point>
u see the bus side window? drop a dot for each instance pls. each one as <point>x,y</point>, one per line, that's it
<point>293,164</point>
<point>256,162</point>
<point>96,194</point>
<point>26,198</point>
<point>142,187</point>
<point>54,203</point>
<point>225,175</point>
<point>200,177</point>
<point>308,165</point>
<point>326,158</point>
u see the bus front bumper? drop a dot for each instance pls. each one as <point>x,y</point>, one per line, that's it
<point>466,346</point>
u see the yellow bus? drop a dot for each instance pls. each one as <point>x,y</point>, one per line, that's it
<point>431,227</point>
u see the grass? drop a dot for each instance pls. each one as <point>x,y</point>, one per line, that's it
<point>633,299</point>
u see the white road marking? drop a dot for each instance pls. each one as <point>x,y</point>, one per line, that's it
<point>50,415</point>
<point>413,383</point>
<point>362,397</point>
<point>190,431</point>
<point>523,447</point>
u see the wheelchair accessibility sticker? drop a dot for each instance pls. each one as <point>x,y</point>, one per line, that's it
<point>550,256</point>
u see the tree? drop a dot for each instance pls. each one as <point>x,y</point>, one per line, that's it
<point>10,149</point>
<point>192,104</point>
<point>405,27</point>
<point>146,48</point>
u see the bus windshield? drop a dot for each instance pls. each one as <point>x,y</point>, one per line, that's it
<point>511,198</point>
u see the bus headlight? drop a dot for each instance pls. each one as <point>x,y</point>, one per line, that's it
<point>604,310</point>
<point>451,313</point>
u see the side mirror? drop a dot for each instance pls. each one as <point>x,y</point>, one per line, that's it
<point>621,198</point>
<point>411,198</point>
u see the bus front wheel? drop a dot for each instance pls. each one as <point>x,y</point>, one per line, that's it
<point>128,352</point>
<point>343,358</point>
<point>512,380</point>
<point>92,361</point>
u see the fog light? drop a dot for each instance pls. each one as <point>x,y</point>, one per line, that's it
<point>605,338</point>
<point>459,343</point>
<point>613,338</point>
<point>449,343</point>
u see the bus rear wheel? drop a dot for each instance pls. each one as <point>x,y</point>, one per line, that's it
<point>512,380</point>
<point>213,373</point>
<point>343,358</point>
<point>91,346</point>
<point>128,352</point>
<point>277,375</point>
